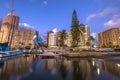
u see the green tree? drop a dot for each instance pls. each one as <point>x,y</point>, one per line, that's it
<point>76,31</point>
<point>90,40</point>
<point>88,43</point>
<point>63,37</point>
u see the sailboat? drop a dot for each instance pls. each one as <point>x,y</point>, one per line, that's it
<point>5,52</point>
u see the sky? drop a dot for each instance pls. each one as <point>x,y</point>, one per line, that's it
<point>46,15</point>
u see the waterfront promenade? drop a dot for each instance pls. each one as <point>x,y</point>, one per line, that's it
<point>91,54</point>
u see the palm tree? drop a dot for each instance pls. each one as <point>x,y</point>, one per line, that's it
<point>76,31</point>
<point>88,43</point>
<point>91,39</point>
<point>63,37</point>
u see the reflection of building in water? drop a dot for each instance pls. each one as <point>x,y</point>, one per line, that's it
<point>20,65</point>
<point>50,64</point>
<point>81,69</point>
<point>111,67</point>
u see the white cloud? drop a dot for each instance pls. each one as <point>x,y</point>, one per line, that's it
<point>90,17</point>
<point>114,22</point>
<point>45,2</point>
<point>26,26</point>
<point>55,30</point>
<point>94,35</point>
<point>107,11</point>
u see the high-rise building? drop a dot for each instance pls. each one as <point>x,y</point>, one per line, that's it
<point>15,37</point>
<point>84,37</point>
<point>23,38</point>
<point>68,41</point>
<point>100,39</point>
<point>9,25</point>
<point>51,39</point>
<point>110,37</point>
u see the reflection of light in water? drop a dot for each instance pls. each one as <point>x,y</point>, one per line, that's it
<point>27,59</point>
<point>93,62</point>
<point>118,65</point>
<point>98,71</point>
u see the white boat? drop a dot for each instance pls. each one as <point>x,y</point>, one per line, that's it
<point>10,53</point>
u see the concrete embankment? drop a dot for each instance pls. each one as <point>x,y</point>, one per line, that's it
<point>91,54</point>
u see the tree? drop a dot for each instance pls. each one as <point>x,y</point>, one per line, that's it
<point>88,43</point>
<point>63,37</point>
<point>91,39</point>
<point>76,31</point>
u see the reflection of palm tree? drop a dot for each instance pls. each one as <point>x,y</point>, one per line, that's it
<point>63,71</point>
<point>77,74</point>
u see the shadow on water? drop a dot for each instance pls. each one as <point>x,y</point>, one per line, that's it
<point>35,68</point>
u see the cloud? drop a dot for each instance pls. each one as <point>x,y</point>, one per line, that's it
<point>45,2</point>
<point>55,30</point>
<point>107,11</point>
<point>43,36</point>
<point>94,35</point>
<point>90,17</point>
<point>25,26</point>
<point>114,22</point>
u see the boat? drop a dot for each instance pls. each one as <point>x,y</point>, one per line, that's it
<point>5,52</point>
<point>10,53</point>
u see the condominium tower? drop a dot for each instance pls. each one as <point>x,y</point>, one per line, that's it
<point>109,37</point>
<point>9,25</point>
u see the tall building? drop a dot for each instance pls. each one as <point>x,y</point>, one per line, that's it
<point>9,25</point>
<point>68,41</point>
<point>51,39</point>
<point>23,38</point>
<point>15,37</point>
<point>109,37</point>
<point>100,39</point>
<point>84,37</point>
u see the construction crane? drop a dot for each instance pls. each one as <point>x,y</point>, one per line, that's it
<point>11,27</point>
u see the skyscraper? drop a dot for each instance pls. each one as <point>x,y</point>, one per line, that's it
<point>109,38</point>
<point>9,25</point>
<point>74,17</point>
<point>51,39</point>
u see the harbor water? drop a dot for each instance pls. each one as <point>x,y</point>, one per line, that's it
<point>60,68</point>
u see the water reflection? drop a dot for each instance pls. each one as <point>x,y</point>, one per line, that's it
<point>35,68</point>
<point>111,68</point>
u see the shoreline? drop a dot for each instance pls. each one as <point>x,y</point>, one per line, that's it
<point>91,54</point>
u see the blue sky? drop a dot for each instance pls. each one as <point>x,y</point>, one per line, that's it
<point>45,15</point>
